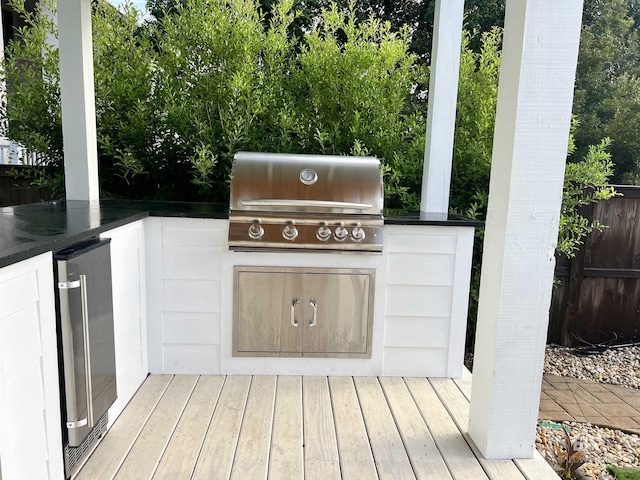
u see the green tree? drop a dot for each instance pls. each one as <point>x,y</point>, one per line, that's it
<point>177,97</point>
<point>31,74</point>
<point>608,66</point>
<point>475,118</point>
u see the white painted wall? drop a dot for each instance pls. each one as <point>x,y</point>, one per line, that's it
<point>129,312</point>
<point>420,305</point>
<point>30,436</point>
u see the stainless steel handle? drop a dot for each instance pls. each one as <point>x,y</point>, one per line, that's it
<point>277,202</point>
<point>294,322</point>
<point>314,320</point>
<point>87,348</point>
<point>78,424</point>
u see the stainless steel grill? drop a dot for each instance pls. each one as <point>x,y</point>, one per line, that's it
<point>305,202</point>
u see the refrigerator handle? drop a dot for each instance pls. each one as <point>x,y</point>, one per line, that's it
<point>87,347</point>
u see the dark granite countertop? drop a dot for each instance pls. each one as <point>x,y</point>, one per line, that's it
<point>29,230</point>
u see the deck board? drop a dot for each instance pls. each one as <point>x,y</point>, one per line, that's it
<point>143,458</point>
<point>389,453</point>
<point>105,461</point>
<point>320,444</point>
<point>464,383</point>
<point>219,447</point>
<point>356,460</point>
<point>252,454</point>
<point>458,407</point>
<point>421,448</point>
<point>179,459</point>
<point>292,427</point>
<point>286,459</point>
<point>457,454</point>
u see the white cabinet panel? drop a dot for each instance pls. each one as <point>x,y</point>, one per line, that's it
<point>427,272</point>
<point>415,362</point>
<point>19,293</point>
<point>30,434</point>
<point>124,240</point>
<point>418,301</point>
<point>129,296</point>
<point>415,239</point>
<point>196,359</point>
<point>189,327</point>
<point>428,269</point>
<point>191,296</point>
<point>20,340</point>
<point>201,263</point>
<point>416,332</point>
<point>202,233</point>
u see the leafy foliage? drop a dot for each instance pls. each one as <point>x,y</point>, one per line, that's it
<point>606,96</point>
<point>585,182</point>
<point>31,74</point>
<point>475,118</point>
<point>177,97</point>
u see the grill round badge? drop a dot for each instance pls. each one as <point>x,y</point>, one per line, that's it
<point>308,176</point>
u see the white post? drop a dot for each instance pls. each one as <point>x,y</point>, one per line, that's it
<point>535,95</point>
<point>78,100</point>
<point>441,116</point>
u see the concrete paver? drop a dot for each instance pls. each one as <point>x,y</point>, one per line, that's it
<point>571,399</point>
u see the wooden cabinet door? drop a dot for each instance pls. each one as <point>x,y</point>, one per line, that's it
<point>269,313</point>
<point>336,314</point>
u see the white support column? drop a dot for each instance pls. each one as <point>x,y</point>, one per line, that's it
<point>78,100</point>
<point>443,96</point>
<point>535,95</point>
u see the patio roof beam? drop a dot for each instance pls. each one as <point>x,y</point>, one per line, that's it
<point>78,100</point>
<point>535,95</point>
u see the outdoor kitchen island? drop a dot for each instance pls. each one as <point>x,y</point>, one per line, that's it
<point>172,290</point>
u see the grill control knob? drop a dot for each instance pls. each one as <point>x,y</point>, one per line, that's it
<point>341,233</point>
<point>255,231</point>
<point>357,234</point>
<point>324,233</point>
<point>290,232</point>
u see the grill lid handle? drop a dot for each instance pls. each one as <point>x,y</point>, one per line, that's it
<point>276,202</point>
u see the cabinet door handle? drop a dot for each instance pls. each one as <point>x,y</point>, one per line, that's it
<point>294,322</point>
<point>314,320</point>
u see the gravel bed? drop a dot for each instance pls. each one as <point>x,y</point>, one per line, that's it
<point>602,446</point>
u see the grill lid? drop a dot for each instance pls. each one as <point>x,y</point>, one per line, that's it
<point>277,182</point>
<point>305,202</point>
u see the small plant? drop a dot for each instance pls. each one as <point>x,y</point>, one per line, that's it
<point>624,473</point>
<point>570,458</point>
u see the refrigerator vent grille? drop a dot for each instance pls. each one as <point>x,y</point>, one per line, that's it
<point>73,456</point>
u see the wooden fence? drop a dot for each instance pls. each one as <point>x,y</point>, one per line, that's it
<point>13,192</point>
<point>598,299</point>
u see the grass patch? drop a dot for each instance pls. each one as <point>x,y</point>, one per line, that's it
<point>625,473</point>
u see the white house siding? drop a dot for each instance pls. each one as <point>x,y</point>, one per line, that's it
<point>427,288</point>
<point>184,300</point>
<point>129,311</point>
<point>30,437</point>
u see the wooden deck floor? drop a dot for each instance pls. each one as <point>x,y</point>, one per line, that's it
<point>289,427</point>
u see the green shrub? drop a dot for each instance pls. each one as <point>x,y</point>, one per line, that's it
<point>176,98</point>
